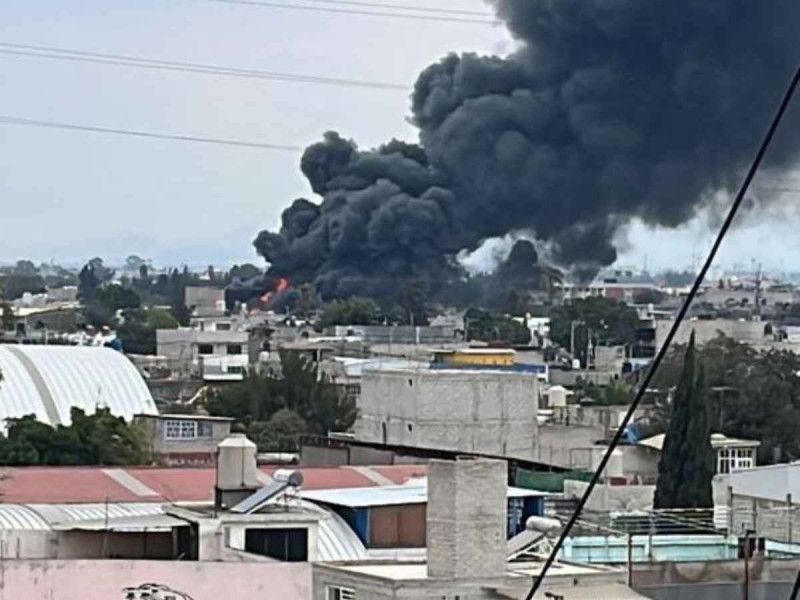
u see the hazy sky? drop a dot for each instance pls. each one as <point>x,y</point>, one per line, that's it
<point>69,195</point>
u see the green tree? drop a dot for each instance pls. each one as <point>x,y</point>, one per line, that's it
<point>280,432</point>
<point>97,439</point>
<point>753,394</point>
<point>93,274</point>
<point>354,311</point>
<point>687,459</point>
<point>8,319</point>
<point>484,326</point>
<point>23,278</point>
<point>245,271</point>
<point>296,390</point>
<point>412,299</point>
<point>138,332</point>
<point>609,322</point>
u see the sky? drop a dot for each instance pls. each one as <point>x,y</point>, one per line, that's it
<point>66,196</point>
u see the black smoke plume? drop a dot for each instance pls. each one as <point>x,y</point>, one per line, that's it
<point>609,110</point>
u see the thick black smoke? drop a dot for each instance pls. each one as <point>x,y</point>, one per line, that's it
<point>610,109</point>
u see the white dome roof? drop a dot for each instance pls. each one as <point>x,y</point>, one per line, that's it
<point>47,381</point>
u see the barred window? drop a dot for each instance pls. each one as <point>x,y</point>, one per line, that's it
<point>180,429</point>
<point>341,593</point>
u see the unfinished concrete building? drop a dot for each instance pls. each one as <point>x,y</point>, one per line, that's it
<point>482,412</point>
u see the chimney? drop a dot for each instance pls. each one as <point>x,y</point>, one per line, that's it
<point>466,518</point>
<point>237,471</point>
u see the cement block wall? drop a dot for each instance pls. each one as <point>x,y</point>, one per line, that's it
<point>610,498</point>
<point>466,518</point>
<point>108,579</point>
<point>488,412</point>
<point>718,580</point>
<point>556,442</point>
<point>774,520</point>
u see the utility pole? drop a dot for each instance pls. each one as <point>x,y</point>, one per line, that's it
<point>758,293</point>
<point>747,564</point>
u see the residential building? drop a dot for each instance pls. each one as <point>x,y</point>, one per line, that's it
<point>467,551</point>
<point>215,355</point>
<point>473,358</point>
<point>394,516</point>
<point>630,480</point>
<point>731,454</point>
<point>346,373</point>
<point>205,301</point>
<point>477,411</point>
<point>183,439</point>
<point>762,500</point>
<point>404,334</point>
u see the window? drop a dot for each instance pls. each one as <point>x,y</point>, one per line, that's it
<point>223,326</point>
<point>288,545</point>
<point>175,429</point>
<point>734,459</point>
<point>234,348</point>
<point>205,349</point>
<point>205,429</point>
<point>341,593</point>
<point>237,370</point>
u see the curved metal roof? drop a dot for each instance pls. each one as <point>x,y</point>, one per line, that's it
<point>337,542</point>
<point>17,517</point>
<point>47,381</point>
<point>48,517</point>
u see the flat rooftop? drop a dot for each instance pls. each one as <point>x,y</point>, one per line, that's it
<point>570,581</point>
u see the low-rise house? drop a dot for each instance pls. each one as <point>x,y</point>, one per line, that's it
<point>216,355</point>
<point>182,439</point>
<point>205,301</point>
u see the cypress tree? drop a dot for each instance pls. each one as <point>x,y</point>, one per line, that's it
<point>687,459</point>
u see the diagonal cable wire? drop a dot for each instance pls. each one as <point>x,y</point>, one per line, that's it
<point>6,120</point>
<point>423,9</point>
<point>122,60</point>
<point>726,225</point>
<point>355,11</point>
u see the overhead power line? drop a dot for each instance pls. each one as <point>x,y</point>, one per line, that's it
<point>7,120</point>
<point>446,11</point>
<point>659,358</point>
<point>49,52</point>
<point>354,11</point>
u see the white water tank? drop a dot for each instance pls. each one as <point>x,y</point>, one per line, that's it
<point>557,396</point>
<point>614,468</point>
<point>236,464</point>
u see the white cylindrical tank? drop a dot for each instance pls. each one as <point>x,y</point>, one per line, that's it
<point>557,396</point>
<point>290,476</point>
<point>236,464</point>
<point>543,525</point>
<point>615,466</point>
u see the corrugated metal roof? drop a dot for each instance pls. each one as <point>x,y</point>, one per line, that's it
<point>717,441</point>
<point>62,485</point>
<point>48,381</point>
<point>65,514</point>
<point>394,495</point>
<point>152,523</point>
<point>48,517</point>
<point>337,542</point>
<point>17,517</point>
